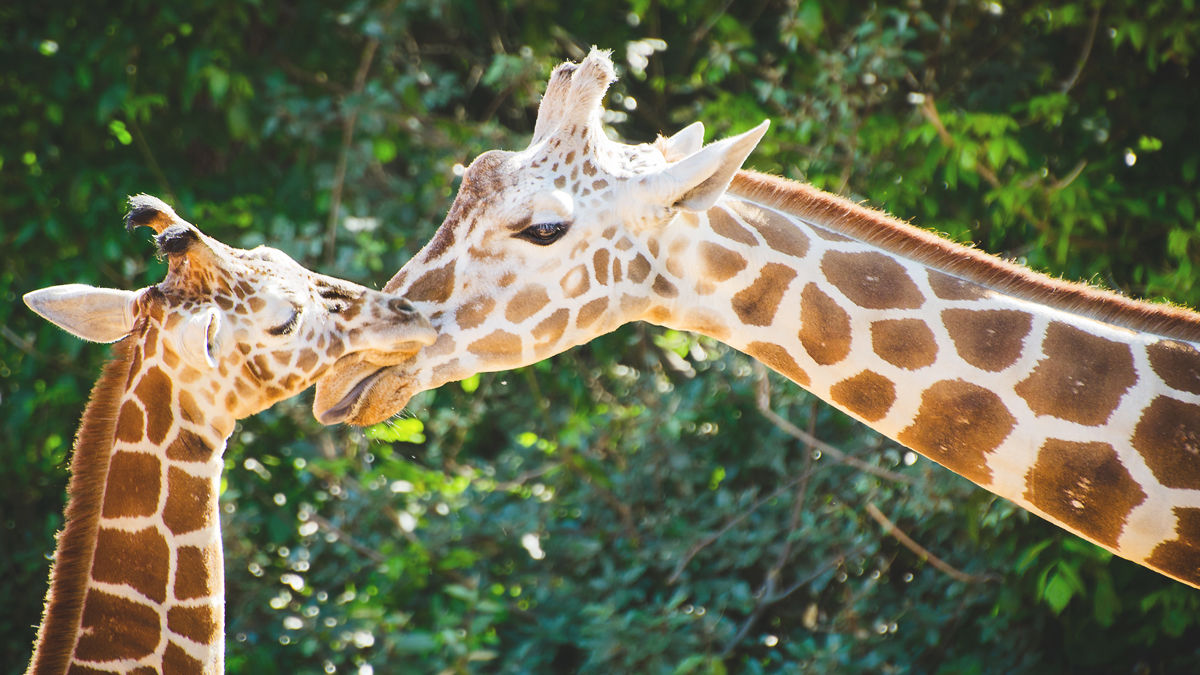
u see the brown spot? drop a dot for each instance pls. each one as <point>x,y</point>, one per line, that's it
<point>190,502</point>
<point>756,304</point>
<point>307,360</point>
<point>780,233</point>
<point>260,367</point>
<point>474,312</point>
<point>526,303</point>
<point>824,327</point>
<point>498,344</point>
<point>829,235</point>
<point>132,486</point>
<point>80,669</point>
<point>617,273</point>
<point>257,304</point>
<point>135,366</point>
<point>575,283</point>
<point>116,629</point>
<point>947,287</point>
<point>600,265</point>
<point>991,339</point>
<point>957,426</point>
<point>591,311</point>
<point>443,239</point>
<point>904,343</point>
<point>129,423</point>
<point>551,328</point>
<point>1180,557</point>
<point>170,358</point>
<point>871,280</point>
<point>724,225</point>
<point>150,341</point>
<point>1168,438</point>
<point>868,395</point>
<point>639,269</point>
<point>719,263</point>
<point>664,288</point>
<point>189,408</point>
<point>154,391</point>
<point>632,306</point>
<point>657,314</point>
<point>189,447</point>
<point>1082,377</point>
<point>194,623</point>
<point>433,286</point>
<point>1177,363</point>
<point>1084,486</point>
<point>778,359</point>
<point>140,560</point>
<point>192,572</point>
<point>176,661</point>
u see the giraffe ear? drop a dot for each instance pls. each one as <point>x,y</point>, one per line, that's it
<point>200,338</point>
<point>697,181</point>
<point>88,312</point>
<point>686,141</point>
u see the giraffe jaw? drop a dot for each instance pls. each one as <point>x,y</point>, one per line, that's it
<point>352,391</point>
<point>347,407</point>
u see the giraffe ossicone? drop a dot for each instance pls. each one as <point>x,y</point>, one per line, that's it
<point>137,583</point>
<point>1080,405</point>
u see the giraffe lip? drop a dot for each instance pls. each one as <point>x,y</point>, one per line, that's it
<point>348,406</point>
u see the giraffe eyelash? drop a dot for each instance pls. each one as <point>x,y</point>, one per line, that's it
<point>543,234</point>
<point>288,326</point>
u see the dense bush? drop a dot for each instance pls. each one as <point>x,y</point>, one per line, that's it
<point>632,505</point>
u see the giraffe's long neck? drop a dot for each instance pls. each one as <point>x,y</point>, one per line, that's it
<point>138,574</point>
<point>1093,424</point>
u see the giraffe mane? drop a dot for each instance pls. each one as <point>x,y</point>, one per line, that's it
<point>73,556</point>
<point>875,227</point>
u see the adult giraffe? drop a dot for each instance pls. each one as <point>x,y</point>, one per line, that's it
<point>138,577</point>
<point>1079,405</point>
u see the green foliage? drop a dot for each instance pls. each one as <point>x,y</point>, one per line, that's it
<point>625,507</point>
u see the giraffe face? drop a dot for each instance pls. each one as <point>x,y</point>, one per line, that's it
<point>255,325</point>
<point>545,248</point>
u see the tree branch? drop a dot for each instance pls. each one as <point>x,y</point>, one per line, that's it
<point>348,123</point>
<point>890,528</point>
<point>764,407</point>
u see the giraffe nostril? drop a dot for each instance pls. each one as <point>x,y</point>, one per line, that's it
<point>401,306</point>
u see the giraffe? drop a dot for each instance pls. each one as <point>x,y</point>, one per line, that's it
<point>137,583</point>
<point>1077,404</point>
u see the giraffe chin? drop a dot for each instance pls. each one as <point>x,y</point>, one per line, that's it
<point>357,394</point>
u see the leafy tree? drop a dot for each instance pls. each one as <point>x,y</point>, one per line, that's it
<point>642,503</point>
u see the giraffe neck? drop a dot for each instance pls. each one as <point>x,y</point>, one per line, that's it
<point>138,577</point>
<point>1092,424</point>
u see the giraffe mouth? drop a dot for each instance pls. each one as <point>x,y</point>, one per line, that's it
<point>347,407</point>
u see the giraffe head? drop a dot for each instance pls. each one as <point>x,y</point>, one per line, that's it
<point>255,321</point>
<point>546,248</point>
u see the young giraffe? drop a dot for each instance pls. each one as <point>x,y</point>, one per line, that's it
<point>1079,405</point>
<point>138,578</point>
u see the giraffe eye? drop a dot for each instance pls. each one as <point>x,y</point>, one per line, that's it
<point>288,326</point>
<point>543,233</point>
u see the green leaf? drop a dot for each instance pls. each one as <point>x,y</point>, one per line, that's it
<point>408,430</point>
<point>470,384</point>
<point>1058,593</point>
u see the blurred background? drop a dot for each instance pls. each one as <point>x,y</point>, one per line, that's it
<point>639,504</point>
